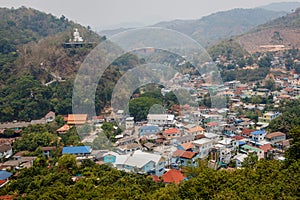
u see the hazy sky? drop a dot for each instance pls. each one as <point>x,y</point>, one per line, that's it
<point>108,13</point>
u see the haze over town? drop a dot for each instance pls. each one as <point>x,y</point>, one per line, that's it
<point>133,13</point>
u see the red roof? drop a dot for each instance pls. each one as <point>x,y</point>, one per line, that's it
<point>212,124</point>
<point>7,197</point>
<point>266,147</point>
<point>2,181</point>
<point>188,154</point>
<point>184,154</point>
<point>171,131</point>
<point>247,131</point>
<point>188,145</point>
<point>200,136</point>
<point>196,129</point>
<point>64,128</point>
<point>178,153</point>
<point>237,137</point>
<point>173,176</point>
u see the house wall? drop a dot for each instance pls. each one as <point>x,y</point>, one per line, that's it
<point>203,150</point>
<point>160,168</point>
<point>273,140</point>
<point>238,163</point>
<point>148,167</point>
<point>129,124</point>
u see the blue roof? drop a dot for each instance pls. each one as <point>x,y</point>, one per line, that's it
<point>241,142</point>
<point>238,120</point>
<point>4,174</point>
<point>149,128</point>
<point>258,132</point>
<point>77,150</point>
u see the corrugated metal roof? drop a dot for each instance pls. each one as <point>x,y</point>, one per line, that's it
<point>4,174</point>
<point>77,150</point>
<point>258,132</point>
<point>140,159</point>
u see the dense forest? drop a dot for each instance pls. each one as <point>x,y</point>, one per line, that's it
<point>31,55</point>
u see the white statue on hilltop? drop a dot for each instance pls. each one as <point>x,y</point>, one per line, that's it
<point>77,37</point>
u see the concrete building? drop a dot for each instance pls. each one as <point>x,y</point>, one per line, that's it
<point>141,162</point>
<point>268,117</point>
<point>202,147</point>
<point>161,119</point>
<point>129,122</point>
<point>275,137</point>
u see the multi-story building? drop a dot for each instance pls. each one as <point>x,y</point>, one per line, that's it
<point>275,137</point>
<point>161,119</point>
<point>268,117</point>
<point>202,147</point>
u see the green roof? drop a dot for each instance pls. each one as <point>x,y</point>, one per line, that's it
<point>247,147</point>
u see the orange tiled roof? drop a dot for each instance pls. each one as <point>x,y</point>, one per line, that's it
<point>188,154</point>
<point>173,176</point>
<point>237,137</point>
<point>184,154</point>
<point>178,153</point>
<point>171,131</point>
<point>64,128</point>
<point>188,145</point>
<point>7,197</point>
<point>78,119</point>
<point>2,181</point>
<point>195,129</point>
<point>266,147</point>
<point>247,131</point>
<point>274,134</point>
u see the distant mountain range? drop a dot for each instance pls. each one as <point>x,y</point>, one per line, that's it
<point>218,26</point>
<point>282,6</point>
<point>215,27</point>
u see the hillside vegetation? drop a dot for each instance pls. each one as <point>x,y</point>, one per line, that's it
<point>281,31</point>
<point>32,54</point>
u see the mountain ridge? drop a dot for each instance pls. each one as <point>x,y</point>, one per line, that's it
<point>217,26</point>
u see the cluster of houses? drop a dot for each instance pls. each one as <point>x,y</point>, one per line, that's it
<point>164,143</point>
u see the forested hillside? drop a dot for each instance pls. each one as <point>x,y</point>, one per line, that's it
<point>32,54</point>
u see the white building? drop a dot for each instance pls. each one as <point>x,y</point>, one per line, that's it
<point>239,159</point>
<point>141,162</point>
<point>161,119</point>
<point>229,143</point>
<point>275,137</point>
<point>129,123</point>
<point>202,146</point>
